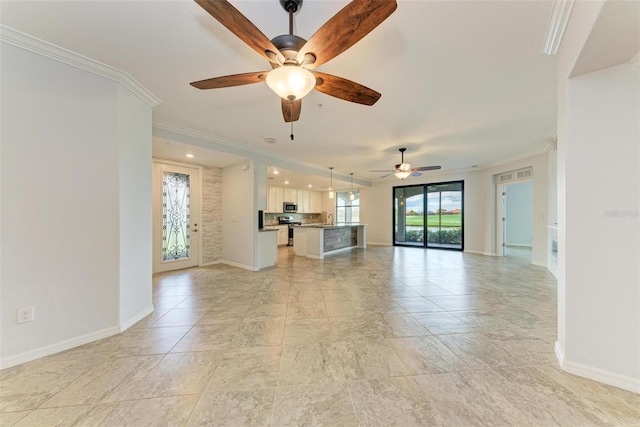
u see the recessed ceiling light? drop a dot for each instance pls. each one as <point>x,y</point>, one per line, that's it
<point>191,156</point>
<point>276,172</point>
<point>270,140</point>
<point>310,185</point>
<point>286,182</point>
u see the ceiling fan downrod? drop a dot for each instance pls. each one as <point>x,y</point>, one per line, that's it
<point>291,6</point>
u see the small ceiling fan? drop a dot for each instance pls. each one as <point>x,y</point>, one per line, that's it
<point>292,57</point>
<point>403,170</point>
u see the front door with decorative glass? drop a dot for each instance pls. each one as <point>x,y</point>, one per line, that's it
<point>176,209</point>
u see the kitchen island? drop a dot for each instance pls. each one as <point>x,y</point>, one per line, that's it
<point>317,240</point>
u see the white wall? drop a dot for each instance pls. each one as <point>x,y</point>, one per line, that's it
<point>552,195</point>
<point>602,228</point>
<point>519,213</point>
<point>135,202</point>
<point>583,17</point>
<point>239,214</point>
<point>71,141</point>
<point>598,201</point>
<point>479,206</point>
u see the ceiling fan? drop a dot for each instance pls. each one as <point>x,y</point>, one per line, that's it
<point>403,170</point>
<point>292,57</point>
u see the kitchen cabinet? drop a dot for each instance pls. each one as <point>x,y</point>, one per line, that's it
<point>275,199</point>
<point>283,235</point>
<point>307,201</point>
<point>303,201</point>
<point>315,201</point>
<point>290,195</point>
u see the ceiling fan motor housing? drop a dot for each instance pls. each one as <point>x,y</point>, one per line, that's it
<point>289,45</point>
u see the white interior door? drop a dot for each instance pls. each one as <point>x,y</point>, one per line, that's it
<point>501,220</point>
<point>176,217</point>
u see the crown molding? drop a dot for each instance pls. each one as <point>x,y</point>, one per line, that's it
<point>57,53</point>
<point>557,25</point>
<point>206,140</point>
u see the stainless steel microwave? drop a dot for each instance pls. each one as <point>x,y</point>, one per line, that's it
<point>289,207</point>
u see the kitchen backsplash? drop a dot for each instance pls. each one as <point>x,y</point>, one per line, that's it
<point>271,219</point>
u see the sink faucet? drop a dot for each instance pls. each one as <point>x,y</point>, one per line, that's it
<point>330,219</point>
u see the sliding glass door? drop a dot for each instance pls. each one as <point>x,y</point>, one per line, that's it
<point>409,215</point>
<point>444,215</point>
<point>429,215</point>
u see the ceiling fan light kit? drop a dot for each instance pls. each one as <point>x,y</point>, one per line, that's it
<point>291,82</point>
<point>292,57</point>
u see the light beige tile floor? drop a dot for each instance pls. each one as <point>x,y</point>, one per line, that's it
<point>382,336</point>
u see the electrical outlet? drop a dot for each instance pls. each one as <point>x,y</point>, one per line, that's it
<point>25,314</point>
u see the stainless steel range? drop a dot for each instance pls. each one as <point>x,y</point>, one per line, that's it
<point>288,220</point>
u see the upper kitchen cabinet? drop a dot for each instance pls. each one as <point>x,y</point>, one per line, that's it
<point>290,195</point>
<point>275,200</point>
<point>315,201</point>
<point>307,201</point>
<point>303,201</point>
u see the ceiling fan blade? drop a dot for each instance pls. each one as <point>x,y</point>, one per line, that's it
<point>345,89</point>
<point>239,25</point>
<point>291,110</point>
<point>232,80</point>
<point>346,28</point>
<point>389,174</point>
<point>381,170</point>
<point>414,173</point>
<point>427,168</point>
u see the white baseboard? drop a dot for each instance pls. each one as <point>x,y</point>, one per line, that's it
<point>48,350</point>
<point>597,374</point>
<point>378,244</point>
<point>58,347</point>
<point>559,354</point>
<point>468,251</point>
<point>210,263</point>
<point>135,319</point>
<point>237,264</point>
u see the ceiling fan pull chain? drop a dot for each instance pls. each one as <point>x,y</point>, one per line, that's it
<point>291,120</point>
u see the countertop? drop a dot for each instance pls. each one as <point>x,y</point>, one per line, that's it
<point>341,225</point>
<point>267,229</point>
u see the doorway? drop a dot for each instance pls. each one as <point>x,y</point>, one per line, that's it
<point>515,213</point>
<point>176,211</point>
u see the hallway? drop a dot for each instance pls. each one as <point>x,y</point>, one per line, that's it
<point>382,336</point>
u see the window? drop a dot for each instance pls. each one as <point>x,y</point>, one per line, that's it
<point>348,210</point>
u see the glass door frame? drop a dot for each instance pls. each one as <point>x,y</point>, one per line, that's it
<point>425,242</point>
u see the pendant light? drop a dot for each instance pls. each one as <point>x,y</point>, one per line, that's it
<point>352,196</point>
<point>331,193</point>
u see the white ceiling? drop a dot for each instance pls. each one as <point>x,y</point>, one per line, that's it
<point>463,82</point>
